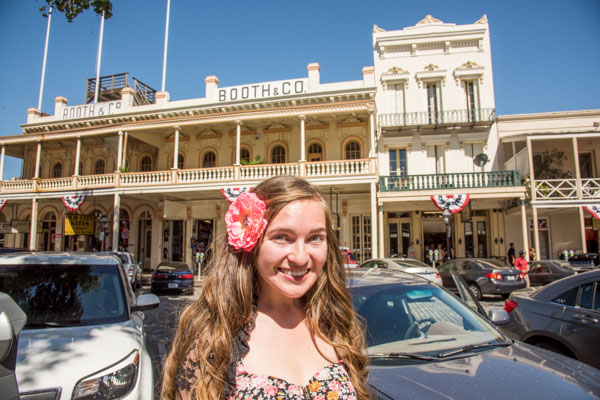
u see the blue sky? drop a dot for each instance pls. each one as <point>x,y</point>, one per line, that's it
<point>545,54</point>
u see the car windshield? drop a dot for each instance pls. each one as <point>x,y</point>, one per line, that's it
<point>173,267</point>
<point>66,295</point>
<point>492,264</point>
<point>418,319</point>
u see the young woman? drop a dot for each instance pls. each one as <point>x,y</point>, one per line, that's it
<point>274,319</point>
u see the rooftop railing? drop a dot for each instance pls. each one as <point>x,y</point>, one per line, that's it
<point>444,117</point>
<point>459,180</point>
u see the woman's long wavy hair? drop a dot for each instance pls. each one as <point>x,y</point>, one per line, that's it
<point>209,324</point>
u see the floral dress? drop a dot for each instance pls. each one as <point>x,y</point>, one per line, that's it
<point>330,383</point>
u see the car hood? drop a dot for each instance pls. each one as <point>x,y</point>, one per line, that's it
<point>59,357</point>
<point>516,371</point>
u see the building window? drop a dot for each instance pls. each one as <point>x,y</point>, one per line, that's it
<point>352,150</point>
<point>278,155</point>
<point>315,152</point>
<point>471,102</point>
<point>398,166</point>
<point>99,167</point>
<point>244,155</point>
<point>432,103</point>
<point>209,160</point>
<point>361,237</point>
<point>57,170</point>
<point>180,161</point>
<point>146,164</point>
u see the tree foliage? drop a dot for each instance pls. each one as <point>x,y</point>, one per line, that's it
<point>72,8</point>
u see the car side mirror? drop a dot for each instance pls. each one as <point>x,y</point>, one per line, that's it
<point>12,321</point>
<point>146,302</point>
<point>499,317</point>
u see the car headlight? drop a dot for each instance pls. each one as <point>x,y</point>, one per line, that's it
<point>110,383</point>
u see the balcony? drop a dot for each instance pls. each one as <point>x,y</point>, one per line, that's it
<point>460,180</point>
<point>208,177</point>
<point>481,116</point>
<point>567,189</point>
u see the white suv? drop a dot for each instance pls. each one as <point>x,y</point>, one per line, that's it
<point>84,337</point>
<point>132,268</point>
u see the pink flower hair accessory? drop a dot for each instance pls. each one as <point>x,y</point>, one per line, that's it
<point>245,221</point>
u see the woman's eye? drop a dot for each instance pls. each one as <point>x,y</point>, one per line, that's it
<point>280,237</point>
<point>317,238</point>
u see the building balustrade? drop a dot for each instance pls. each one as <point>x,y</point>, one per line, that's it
<point>436,118</point>
<point>458,180</point>
<point>225,175</point>
<point>567,189</point>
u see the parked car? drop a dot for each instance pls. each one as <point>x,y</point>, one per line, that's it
<point>349,257</point>
<point>584,262</point>
<point>562,316</point>
<point>424,270</point>
<point>12,321</point>
<point>484,276</point>
<point>173,275</point>
<point>545,271</point>
<point>84,337</point>
<point>132,268</point>
<point>426,343</point>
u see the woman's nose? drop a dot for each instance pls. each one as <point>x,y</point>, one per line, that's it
<point>298,254</point>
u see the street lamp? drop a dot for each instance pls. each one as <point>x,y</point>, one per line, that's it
<point>447,214</point>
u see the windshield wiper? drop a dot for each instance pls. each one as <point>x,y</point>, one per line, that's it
<point>411,356</point>
<point>54,324</point>
<point>470,347</point>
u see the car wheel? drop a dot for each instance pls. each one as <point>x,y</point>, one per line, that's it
<point>556,348</point>
<point>475,290</point>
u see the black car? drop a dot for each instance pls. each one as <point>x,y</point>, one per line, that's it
<point>584,262</point>
<point>425,343</point>
<point>483,276</point>
<point>173,275</point>
<point>546,271</point>
<point>563,316</point>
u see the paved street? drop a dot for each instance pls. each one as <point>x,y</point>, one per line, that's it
<point>161,324</point>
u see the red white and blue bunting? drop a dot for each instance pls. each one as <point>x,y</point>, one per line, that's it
<point>2,203</point>
<point>451,202</point>
<point>232,192</point>
<point>593,209</point>
<point>73,202</point>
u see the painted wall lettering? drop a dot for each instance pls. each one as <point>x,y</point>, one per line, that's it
<point>91,110</point>
<point>263,90</point>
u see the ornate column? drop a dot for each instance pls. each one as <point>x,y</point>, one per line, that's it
<point>176,149</point>
<point>374,220</point>
<point>33,239</point>
<point>524,229</point>
<point>582,222</point>
<point>77,156</point>
<point>536,233</point>
<point>124,155</point>
<point>238,139</point>
<point>2,162</point>
<point>38,157</point>
<point>302,139</point>
<point>120,151</point>
<point>116,220</point>
<point>372,150</point>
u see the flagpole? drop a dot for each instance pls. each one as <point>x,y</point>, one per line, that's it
<point>44,62</point>
<point>99,58</point>
<point>164,71</point>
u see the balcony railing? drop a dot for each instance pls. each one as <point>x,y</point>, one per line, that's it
<point>199,176</point>
<point>460,180</point>
<point>445,117</point>
<point>566,189</point>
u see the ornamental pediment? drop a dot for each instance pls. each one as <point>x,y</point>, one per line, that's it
<point>469,70</point>
<point>431,72</point>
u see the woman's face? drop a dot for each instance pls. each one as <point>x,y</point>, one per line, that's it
<point>293,251</point>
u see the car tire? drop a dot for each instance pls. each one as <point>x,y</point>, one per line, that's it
<point>556,348</point>
<point>474,288</point>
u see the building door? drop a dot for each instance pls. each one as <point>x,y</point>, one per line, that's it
<point>361,237</point>
<point>145,239</point>
<point>177,240</point>
<point>48,231</point>
<point>399,234</point>
<point>476,238</point>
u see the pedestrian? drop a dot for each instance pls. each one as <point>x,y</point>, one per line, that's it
<point>426,258</point>
<point>274,304</point>
<point>532,254</point>
<point>411,252</point>
<point>511,254</point>
<point>521,264</point>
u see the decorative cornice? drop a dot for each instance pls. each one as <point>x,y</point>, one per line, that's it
<point>431,67</point>
<point>429,19</point>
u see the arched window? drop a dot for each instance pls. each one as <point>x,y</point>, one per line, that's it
<point>146,164</point>
<point>57,170</point>
<point>244,155</point>
<point>315,152</point>
<point>209,160</point>
<point>352,150</point>
<point>278,155</point>
<point>99,167</point>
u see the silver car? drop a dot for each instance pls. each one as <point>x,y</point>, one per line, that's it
<point>407,265</point>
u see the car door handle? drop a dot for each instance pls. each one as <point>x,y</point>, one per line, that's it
<point>585,318</point>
